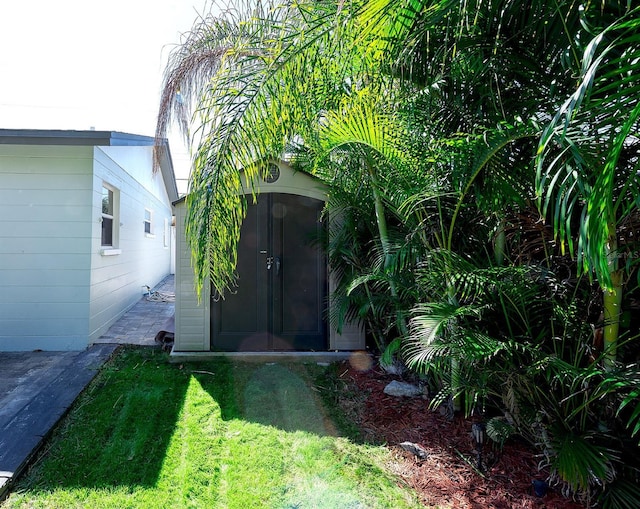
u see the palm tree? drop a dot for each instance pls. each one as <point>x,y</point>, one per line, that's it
<point>236,80</point>
<point>588,161</point>
<point>480,75</point>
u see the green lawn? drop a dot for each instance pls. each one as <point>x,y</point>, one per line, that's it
<point>148,433</point>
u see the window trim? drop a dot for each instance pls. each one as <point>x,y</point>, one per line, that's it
<point>110,252</point>
<point>148,232</point>
<point>114,217</point>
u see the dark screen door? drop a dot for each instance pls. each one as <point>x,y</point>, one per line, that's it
<point>282,280</point>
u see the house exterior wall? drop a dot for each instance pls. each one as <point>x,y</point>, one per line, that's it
<point>59,288</point>
<point>45,241</point>
<point>119,274</point>
<point>192,318</point>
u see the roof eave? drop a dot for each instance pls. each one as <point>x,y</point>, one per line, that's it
<point>71,137</point>
<point>163,154</point>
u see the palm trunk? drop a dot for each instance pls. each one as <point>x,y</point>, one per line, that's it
<point>500,243</point>
<point>612,308</point>
<point>386,250</point>
<point>456,401</point>
<point>612,301</point>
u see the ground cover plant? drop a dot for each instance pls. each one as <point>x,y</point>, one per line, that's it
<point>147,433</point>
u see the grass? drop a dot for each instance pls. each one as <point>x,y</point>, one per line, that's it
<point>147,433</point>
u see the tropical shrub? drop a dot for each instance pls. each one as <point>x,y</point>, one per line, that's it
<point>516,346</point>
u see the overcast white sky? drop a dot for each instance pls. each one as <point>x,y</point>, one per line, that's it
<point>78,64</point>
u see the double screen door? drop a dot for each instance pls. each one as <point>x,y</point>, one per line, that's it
<point>280,299</point>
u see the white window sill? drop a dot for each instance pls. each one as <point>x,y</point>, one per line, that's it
<point>150,235</point>
<point>108,251</point>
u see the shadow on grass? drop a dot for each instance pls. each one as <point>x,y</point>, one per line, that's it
<point>148,433</point>
<point>119,431</point>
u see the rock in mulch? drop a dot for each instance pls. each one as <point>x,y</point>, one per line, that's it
<point>416,449</point>
<point>396,388</point>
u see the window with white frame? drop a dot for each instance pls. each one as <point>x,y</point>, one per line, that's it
<point>166,233</point>
<point>148,217</point>
<point>109,218</point>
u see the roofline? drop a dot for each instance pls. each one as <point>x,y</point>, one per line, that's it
<point>314,178</point>
<point>71,137</point>
<point>92,138</point>
<point>163,154</point>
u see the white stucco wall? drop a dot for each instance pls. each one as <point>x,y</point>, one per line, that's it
<point>118,275</point>
<point>45,238</point>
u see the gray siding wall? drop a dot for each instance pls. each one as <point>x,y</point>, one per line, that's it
<point>192,318</point>
<point>119,275</point>
<point>45,240</point>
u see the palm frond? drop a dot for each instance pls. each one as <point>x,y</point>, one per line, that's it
<point>199,56</point>
<point>621,494</point>
<point>580,461</point>
<point>249,106</point>
<point>361,121</point>
<point>588,156</point>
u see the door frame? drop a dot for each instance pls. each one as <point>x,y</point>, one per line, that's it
<point>286,181</point>
<point>276,310</point>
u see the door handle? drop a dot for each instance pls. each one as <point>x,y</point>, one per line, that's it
<point>274,260</point>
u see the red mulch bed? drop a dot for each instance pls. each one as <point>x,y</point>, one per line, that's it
<point>447,476</point>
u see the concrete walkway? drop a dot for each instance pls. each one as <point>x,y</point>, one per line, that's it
<point>142,322</point>
<point>38,388</point>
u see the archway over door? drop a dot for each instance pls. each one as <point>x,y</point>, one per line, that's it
<point>281,294</point>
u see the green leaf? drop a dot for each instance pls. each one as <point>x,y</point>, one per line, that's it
<point>390,351</point>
